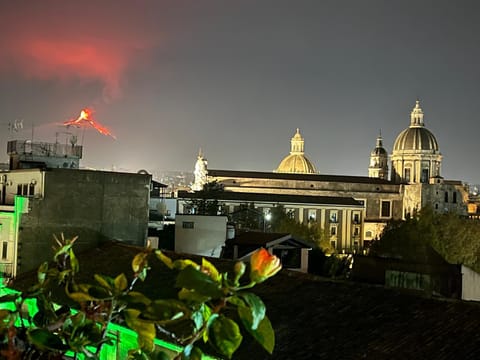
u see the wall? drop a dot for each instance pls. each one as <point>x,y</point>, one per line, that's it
<point>470,284</point>
<point>200,234</point>
<point>10,180</point>
<point>371,193</point>
<point>94,205</point>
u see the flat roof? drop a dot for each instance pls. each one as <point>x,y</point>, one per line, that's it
<point>275,198</point>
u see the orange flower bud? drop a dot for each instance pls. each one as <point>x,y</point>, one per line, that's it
<point>263,265</point>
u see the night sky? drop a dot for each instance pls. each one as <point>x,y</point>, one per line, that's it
<point>236,78</point>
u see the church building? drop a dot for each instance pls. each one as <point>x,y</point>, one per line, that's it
<point>415,180</point>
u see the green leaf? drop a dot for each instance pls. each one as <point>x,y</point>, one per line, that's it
<point>182,264</point>
<point>99,292</point>
<point>197,318</point>
<point>164,258</point>
<point>192,296</point>
<point>144,329</point>
<point>9,297</point>
<point>256,306</point>
<point>210,319</point>
<point>193,279</point>
<point>80,293</point>
<point>192,353</point>
<point>136,300</point>
<point>104,281</point>
<point>139,262</point>
<point>264,333</point>
<point>74,262</point>
<point>236,300</point>
<point>42,272</point>
<point>225,335</point>
<point>45,340</point>
<point>210,269</point>
<point>165,310</point>
<point>121,282</point>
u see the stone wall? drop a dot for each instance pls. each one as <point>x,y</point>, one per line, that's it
<point>94,205</point>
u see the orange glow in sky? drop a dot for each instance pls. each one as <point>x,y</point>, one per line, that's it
<point>86,120</point>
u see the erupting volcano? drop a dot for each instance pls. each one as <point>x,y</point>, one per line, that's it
<point>86,119</point>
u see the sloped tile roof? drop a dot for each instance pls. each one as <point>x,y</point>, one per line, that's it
<point>316,318</point>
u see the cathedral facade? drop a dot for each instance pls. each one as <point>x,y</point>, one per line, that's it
<point>415,180</point>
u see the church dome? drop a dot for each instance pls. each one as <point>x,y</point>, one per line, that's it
<point>415,139</point>
<point>296,162</point>
<point>416,136</point>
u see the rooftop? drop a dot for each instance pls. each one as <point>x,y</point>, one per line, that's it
<point>315,318</point>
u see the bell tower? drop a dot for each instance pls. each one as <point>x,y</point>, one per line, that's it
<point>378,161</point>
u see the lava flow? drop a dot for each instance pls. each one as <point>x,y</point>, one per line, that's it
<point>86,119</point>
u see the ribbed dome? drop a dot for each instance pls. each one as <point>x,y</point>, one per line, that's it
<point>295,163</point>
<point>416,138</point>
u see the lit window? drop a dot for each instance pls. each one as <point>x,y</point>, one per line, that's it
<point>333,216</point>
<point>312,215</point>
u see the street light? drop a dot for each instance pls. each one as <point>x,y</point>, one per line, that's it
<point>266,217</point>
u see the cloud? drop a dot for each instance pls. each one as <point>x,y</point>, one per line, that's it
<point>67,41</point>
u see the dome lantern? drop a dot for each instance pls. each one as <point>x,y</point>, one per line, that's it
<point>296,162</point>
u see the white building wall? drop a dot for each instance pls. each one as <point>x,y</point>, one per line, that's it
<point>470,284</point>
<point>200,234</point>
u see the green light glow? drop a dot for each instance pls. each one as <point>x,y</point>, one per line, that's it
<point>124,339</point>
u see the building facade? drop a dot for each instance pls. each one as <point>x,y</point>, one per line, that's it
<point>415,180</point>
<point>342,217</point>
<point>35,204</point>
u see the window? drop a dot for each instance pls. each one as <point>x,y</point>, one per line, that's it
<point>333,216</point>
<point>356,231</point>
<point>25,189</point>
<point>4,250</point>
<point>356,218</point>
<point>407,174</point>
<point>31,190</point>
<point>333,230</point>
<point>385,210</point>
<point>312,215</point>
<point>19,189</point>
<point>290,213</point>
<point>454,200</point>
<point>424,176</point>
<point>333,244</point>
<point>188,224</point>
<point>368,234</point>
<point>446,196</point>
